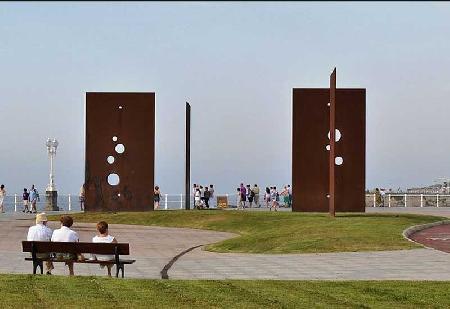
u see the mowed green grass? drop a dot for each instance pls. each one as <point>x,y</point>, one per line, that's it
<point>281,232</point>
<point>27,291</point>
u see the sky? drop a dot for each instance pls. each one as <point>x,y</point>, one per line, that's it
<point>236,63</point>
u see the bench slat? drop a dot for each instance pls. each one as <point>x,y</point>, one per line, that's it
<point>85,261</point>
<point>76,247</point>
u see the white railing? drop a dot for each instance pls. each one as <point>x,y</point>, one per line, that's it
<point>409,200</point>
<point>66,202</point>
<point>70,202</point>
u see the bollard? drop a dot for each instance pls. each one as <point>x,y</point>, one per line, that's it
<point>405,200</point>
<point>421,200</point>
<point>70,203</point>
<point>165,201</point>
<point>389,202</point>
<point>15,202</point>
<point>181,201</point>
<point>374,200</point>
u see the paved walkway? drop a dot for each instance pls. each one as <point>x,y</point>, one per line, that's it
<point>155,247</point>
<point>432,211</point>
<point>152,247</point>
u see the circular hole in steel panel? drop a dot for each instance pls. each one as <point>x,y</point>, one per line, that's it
<point>120,148</point>
<point>113,179</point>
<point>337,135</point>
<point>110,159</point>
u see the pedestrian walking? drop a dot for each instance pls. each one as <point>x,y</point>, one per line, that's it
<point>202,196</point>
<point>156,198</point>
<point>206,196</point>
<point>256,196</point>
<point>239,203</point>
<point>82,197</point>
<point>378,202</point>
<point>275,197</point>
<point>2,197</point>
<point>285,195</point>
<point>382,196</point>
<point>197,199</point>
<point>26,200</point>
<point>290,195</point>
<point>267,197</point>
<point>243,194</point>
<point>212,196</point>
<point>34,198</point>
<point>250,196</point>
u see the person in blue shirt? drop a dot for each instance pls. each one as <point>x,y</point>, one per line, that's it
<point>34,198</point>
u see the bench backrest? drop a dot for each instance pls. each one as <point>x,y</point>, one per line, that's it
<point>75,247</point>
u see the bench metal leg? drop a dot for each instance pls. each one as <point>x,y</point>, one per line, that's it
<point>119,267</point>
<point>35,266</point>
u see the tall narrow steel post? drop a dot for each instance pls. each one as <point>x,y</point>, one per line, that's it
<point>332,142</point>
<point>187,197</point>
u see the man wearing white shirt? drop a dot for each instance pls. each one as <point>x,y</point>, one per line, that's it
<point>40,232</point>
<point>65,234</point>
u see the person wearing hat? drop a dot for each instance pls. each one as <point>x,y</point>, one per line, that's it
<point>40,232</point>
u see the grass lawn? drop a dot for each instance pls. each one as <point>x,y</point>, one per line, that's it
<point>281,232</point>
<point>27,291</point>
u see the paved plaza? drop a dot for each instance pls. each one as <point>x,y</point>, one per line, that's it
<point>155,247</point>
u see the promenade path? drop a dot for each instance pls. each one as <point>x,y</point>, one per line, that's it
<point>155,247</point>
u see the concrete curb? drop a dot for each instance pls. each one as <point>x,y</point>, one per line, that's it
<point>416,228</point>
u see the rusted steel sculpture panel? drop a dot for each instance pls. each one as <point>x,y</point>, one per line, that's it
<point>350,177</point>
<point>311,150</point>
<point>310,166</point>
<point>120,151</point>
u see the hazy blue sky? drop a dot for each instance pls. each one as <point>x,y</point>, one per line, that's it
<point>237,64</point>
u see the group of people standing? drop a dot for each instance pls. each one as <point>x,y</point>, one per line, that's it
<point>202,195</point>
<point>41,232</point>
<point>271,197</point>
<point>29,197</point>
<point>246,194</point>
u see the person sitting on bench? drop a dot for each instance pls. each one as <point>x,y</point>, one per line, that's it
<point>41,232</point>
<point>65,234</point>
<point>104,237</point>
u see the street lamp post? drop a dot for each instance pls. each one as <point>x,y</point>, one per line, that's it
<point>51,193</point>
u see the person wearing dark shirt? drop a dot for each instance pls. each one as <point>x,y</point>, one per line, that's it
<point>206,196</point>
<point>26,200</point>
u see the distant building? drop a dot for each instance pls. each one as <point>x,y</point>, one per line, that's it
<point>441,188</point>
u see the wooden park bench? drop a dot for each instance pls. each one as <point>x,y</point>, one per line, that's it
<point>77,248</point>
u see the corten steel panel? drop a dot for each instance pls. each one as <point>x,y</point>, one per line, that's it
<point>309,156</point>
<point>350,178</point>
<point>310,159</point>
<point>134,126</point>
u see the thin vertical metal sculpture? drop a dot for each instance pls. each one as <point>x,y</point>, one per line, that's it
<point>187,197</point>
<point>332,142</point>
